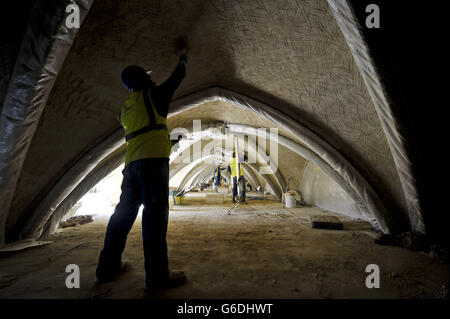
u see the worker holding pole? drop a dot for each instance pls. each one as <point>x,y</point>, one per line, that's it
<point>145,178</point>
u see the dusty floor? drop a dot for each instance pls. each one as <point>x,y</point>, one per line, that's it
<point>258,251</point>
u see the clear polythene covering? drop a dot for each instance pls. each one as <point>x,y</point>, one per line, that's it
<point>46,43</point>
<point>349,26</point>
<point>44,47</point>
<point>369,201</point>
<point>316,149</point>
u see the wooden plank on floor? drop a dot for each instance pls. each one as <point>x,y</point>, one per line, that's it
<point>325,222</point>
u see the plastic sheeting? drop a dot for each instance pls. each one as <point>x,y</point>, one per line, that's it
<point>210,133</point>
<point>69,181</point>
<point>261,149</point>
<point>266,180</point>
<point>319,148</point>
<point>200,169</point>
<point>251,176</point>
<point>320,190</point>
<point>191,139</point>
<point>381,217</point>
<point>207,159</point>
<point>194,172</point>
<point>201,172</point>
<point>205,175</point>
<point>303,151</point>
<point>44,47</point>
<point>95,176</point>
<point>348,24</point>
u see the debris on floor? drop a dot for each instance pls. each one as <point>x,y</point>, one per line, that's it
<point>244,255</point>
<point>415,242</point>
<point>76,220</point>
<point>410,240</point>
<point>325,222</point>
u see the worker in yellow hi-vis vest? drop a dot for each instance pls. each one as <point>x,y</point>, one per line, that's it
<point>232,170</point>
<point>145,178</point>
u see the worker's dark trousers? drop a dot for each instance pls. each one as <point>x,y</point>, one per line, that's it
<point>144,182</point>
<point>235,188</point>
<point>217,180</point>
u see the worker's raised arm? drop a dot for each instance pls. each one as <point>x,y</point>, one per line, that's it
<point>163,93</point>
<point>173,82</point>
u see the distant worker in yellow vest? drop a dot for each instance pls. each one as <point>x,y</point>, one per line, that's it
<point>232,170</point>
<point>145,179</point>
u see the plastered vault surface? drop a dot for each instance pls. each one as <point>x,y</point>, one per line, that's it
<point>288,54</point>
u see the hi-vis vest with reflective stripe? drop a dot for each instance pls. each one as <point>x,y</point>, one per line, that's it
<point>233,168</point>
<point>146,133</point>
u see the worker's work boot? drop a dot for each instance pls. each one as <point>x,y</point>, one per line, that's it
<point>105,276</point>
<point>234,200</point>
<point>176,278</point>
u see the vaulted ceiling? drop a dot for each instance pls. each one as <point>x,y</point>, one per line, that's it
<point>290,55</point>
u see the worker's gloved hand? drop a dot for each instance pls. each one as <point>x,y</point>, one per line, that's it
<point>182,58</point>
